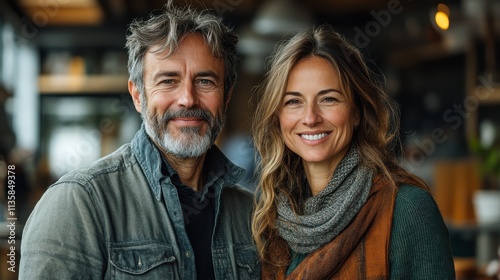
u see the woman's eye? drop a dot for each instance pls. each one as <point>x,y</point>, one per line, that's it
<point>330,99</point>
<point>292,102</point>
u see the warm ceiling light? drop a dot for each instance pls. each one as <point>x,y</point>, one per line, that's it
<point>74,12</point>
<point>442,17</point>
<point>280,17</point>
<point>442,20</point>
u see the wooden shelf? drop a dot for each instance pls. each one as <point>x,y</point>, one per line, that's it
<point>488,95</point>
<point>412,56</point>
<point>82,84</point>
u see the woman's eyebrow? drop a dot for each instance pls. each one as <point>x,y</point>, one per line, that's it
<point>321,92</point>
<point>325,91</point>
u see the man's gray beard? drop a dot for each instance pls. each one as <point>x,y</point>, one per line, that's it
<point>190,144</point>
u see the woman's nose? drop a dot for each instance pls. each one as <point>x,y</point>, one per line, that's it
<point>312,115</point>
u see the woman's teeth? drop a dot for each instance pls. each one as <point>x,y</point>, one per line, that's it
<point>313,137</point>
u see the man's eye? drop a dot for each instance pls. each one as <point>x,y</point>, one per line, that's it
<point>167,82</point>
<point>205,82</point>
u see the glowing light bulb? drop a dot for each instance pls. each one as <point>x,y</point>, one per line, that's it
<point>442,16</point>
<point>442,20</point>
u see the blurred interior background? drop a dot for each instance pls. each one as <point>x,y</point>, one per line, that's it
<point>64,101</point>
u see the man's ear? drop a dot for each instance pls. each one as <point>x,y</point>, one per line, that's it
<point>134,92</point>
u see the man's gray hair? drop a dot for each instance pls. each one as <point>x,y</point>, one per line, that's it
<point>168,28</point>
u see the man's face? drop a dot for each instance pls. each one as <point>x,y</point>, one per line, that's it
<point>183,101</point>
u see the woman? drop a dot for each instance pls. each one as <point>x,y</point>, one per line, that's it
<point>333,201</point>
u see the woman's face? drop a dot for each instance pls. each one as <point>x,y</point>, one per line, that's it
<point>316,117</point>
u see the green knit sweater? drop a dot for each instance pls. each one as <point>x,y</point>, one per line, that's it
<point>420,245</point>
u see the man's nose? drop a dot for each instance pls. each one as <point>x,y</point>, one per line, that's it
<point>187,96</point>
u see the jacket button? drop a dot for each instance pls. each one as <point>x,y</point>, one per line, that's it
<point>187,254</point>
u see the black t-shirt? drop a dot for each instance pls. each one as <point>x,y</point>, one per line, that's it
<point>199,216</point>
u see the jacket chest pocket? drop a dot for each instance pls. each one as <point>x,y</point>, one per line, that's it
<point>142,260</point>
<point>247,263</point>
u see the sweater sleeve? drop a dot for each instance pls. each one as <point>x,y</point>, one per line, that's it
<point>419,246</point>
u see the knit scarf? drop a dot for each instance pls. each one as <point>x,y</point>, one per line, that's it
<point>326,214</point>
<point>361,251</point>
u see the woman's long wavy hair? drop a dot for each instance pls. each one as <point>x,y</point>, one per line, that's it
<point>377,136</point>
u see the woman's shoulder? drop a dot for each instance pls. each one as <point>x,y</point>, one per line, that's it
<point>420,245</point>
<point>413,197</point>
<point>416,209</point>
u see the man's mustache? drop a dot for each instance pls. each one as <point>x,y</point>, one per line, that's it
<point>196,113</point>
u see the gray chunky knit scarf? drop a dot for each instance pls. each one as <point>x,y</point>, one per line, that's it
<point>326,214</point>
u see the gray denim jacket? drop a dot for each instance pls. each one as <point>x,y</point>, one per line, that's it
<point>121,218</point>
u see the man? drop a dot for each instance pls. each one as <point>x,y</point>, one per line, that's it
<point>164,206</point>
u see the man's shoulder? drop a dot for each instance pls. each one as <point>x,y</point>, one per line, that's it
<point>236,210</point>
<point>120,159</point>
<point>238,192</point>
<point>237,197</point>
